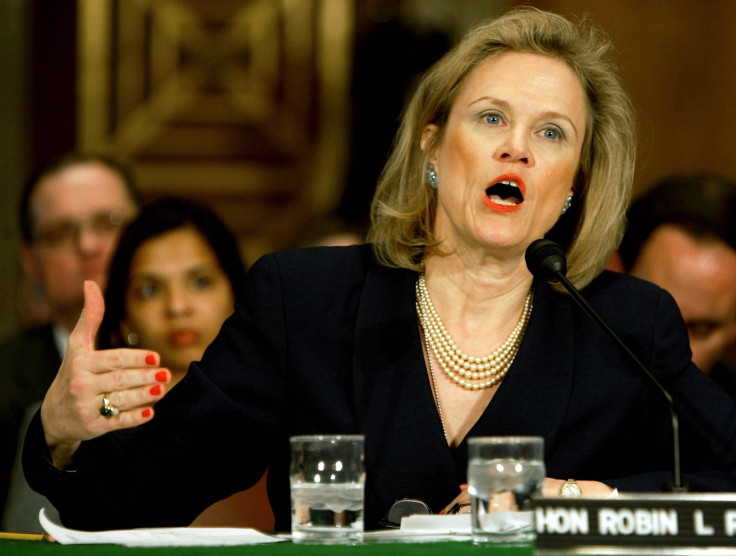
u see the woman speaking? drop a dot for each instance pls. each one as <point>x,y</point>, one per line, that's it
<point>432,332</point>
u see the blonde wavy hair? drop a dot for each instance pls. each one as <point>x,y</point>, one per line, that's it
<point>403,208</point>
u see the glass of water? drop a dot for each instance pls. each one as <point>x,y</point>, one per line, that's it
<point>327,482</point>
<point>504,472</point>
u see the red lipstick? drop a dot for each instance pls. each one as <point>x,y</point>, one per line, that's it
<point>505,193</point>
<point>183,338</point>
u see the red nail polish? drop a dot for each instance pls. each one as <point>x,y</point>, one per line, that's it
<point>156,390</point>
<point>150,359</point>
<point>160,376</point>
<point>146,413</point>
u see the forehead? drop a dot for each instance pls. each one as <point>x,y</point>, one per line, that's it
<point>172,253</point>
<point>79,191</point>
<point>531,81</point>
<point>700,274</point>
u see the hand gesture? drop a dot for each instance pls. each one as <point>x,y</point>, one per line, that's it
<point>96,392</point>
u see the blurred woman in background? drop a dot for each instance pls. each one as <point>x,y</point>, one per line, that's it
<point>172,284</point>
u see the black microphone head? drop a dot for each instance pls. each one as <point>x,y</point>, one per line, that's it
<point>544,259</point>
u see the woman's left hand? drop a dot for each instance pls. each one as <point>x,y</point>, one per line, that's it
<point>552,487</point>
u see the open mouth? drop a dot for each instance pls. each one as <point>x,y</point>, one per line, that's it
<point>506,193</point>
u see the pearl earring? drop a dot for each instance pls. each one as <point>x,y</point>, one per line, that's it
<point>132,339</point>
<point>567,205</point>
<point>432,176</point>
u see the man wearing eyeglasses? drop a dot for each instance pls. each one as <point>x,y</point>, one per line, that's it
<point>71,214</point>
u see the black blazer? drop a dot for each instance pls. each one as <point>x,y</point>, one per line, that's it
<point>326,341</point>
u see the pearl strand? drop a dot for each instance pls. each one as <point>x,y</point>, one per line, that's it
<point>467,371</point>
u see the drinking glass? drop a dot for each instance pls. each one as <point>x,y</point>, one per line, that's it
<point>327,483</point>
<point>504,472</point>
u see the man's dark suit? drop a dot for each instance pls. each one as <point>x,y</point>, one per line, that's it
<point>28,364</point>
<point>327,341</point>
<point>724,375</point>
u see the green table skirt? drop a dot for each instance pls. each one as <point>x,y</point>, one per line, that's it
<point>28,548</point>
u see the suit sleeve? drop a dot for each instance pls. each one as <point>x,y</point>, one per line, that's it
<point>212,435</point>
<point>706,414</point>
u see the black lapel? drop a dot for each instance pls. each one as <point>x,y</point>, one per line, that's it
<point>390,374</point>
<point>406,451</point>
<point>541,376</point>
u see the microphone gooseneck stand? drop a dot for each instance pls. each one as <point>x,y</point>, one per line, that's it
<point>545,259</point>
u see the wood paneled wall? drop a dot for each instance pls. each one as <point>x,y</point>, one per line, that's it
<point>246,103</point>
<point>677,58</point>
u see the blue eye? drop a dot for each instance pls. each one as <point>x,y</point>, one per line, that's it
<point>492,119</point>
<point>551,134</point>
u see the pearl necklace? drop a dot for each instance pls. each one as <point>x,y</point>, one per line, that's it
<point>467,371</point>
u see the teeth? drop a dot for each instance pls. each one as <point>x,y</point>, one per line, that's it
<point>511,183</point>
<point>506,202</point>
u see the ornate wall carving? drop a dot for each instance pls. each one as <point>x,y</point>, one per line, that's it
<point>242,102</point>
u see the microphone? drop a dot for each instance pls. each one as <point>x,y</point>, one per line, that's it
<point>546,260</point>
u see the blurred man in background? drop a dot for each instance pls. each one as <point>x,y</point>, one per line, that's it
<point>70,216</point>
<point>682,236</point>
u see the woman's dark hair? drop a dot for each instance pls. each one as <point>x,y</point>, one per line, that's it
<point>155,219</point>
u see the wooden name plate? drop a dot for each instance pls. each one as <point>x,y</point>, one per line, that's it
<point>637,520</point>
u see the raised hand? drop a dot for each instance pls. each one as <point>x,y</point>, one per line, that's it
<point>129,379</point>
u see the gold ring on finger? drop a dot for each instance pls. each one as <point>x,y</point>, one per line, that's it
<point>108,409</point>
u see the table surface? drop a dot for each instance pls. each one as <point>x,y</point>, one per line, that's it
<point>23,548</point>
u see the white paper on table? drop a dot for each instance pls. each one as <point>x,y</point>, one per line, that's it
<point>159,536</point>
<point>454,524</point>
<point>454,527</point>
<point>507,522</point>
<point>427,528</point>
